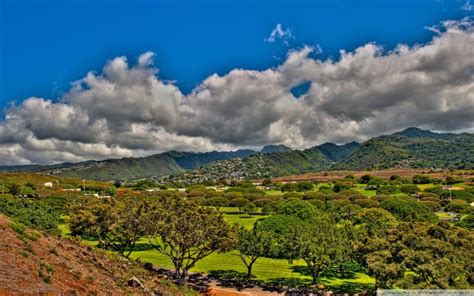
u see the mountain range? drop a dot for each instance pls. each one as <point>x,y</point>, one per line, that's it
<point>412,147</point>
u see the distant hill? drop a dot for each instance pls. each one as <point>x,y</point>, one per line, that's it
<point>275,149</point>
<point>413,132</point>
<point>172,162</point>
<point>412,147</point>
<point>262,165</point>
<point>337,152</point>
<point>190,160</point>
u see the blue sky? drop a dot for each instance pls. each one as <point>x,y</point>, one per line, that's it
<point>153,76</point>
<point>45,45</point>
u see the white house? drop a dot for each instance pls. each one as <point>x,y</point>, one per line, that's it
<point>48,184</point>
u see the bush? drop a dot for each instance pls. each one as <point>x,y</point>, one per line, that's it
<point>290,195</point>
<point>388,190</point>
<point>313,195</point>
<point>432,205</point>
<point>262,202</point>
<point>239,203</point>
<point>342,185</point>
<point>457,206</point>
<point>466,222</point>
<point>409,189</point>
<point>31,213</point>
<point>421,179</point>
<point>367,203</point>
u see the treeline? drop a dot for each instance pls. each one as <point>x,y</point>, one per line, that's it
<point>399,242</point>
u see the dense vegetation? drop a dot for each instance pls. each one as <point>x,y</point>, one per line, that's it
<point>389,229</point>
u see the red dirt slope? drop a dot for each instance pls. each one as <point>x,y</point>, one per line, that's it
<point>32,264</point>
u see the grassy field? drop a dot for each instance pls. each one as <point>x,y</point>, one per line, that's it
<point>232,216</point>
<point>361,188</point>
<point>266,269</point>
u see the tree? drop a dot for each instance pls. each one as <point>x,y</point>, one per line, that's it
<point>375,183</point>
<point>253,244</point>
<point>117,183</point>
<point>116,224</point>
<point>376,221</point>
<point>364,179</point>
<point>411,255</point>
<point>409,189</point>
<point>250,208</point>
<point>466,222</point>
<point>239,203</point>
<point>285,231</point>
<point>322,243</point>
<point>305,186</point>
<point>421,179</point>
<point>408,209</point>
<point>457,206</point>
<point>217,202</point>
<point>187,233</point>
<point>342,185</point>
<point>289,187</point>
<point>26,191</point>
<point>451,180</point>
<point>132,223</point>
<point>298,208</point>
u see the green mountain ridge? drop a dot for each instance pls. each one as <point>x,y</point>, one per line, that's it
<point>448,151</point>
<point>412,147</point>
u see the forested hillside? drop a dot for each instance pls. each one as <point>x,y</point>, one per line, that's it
<point>337,152</point>
<point>406,150</point>
<point>413,147</point>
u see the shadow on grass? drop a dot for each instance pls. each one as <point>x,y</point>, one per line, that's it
<point>142,247</point>
<point>232,279</point>
<point>227,274</point>
<point>346,272</point>
<point>332,279</point>
<point>288,282</point>
<point>352,288</point>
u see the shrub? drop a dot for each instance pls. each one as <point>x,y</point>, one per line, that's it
<point>421,179</point>
<point>388,190</point>
<point>409,189</point>
<point>367,203</point>
<point>34,214</point>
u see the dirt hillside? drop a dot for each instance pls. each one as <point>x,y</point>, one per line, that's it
<point>34,264</point>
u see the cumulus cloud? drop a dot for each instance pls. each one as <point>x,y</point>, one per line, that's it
<point>467,6</point>
<point>279,33</point>
<point>126,110</point>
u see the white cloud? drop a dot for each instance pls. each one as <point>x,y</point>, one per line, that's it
<point>467,6</point>
<point>279,33</point>
<point>126,110</point>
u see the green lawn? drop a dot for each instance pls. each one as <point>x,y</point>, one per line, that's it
<point>426,186</point>
<point>444,215</point>
<point>361,188</point>
<point>273,192</point>
<point>264,269</point>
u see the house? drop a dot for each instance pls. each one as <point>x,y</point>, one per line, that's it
<point>48,184</point>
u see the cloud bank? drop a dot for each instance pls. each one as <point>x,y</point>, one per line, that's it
<point>127,110</point>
